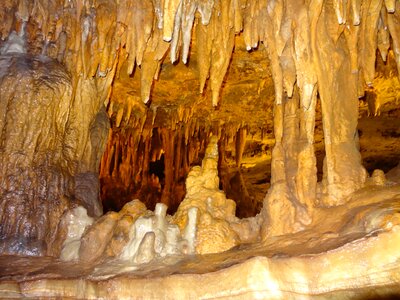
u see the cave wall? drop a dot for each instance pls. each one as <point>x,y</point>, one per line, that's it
<point>50,151</point>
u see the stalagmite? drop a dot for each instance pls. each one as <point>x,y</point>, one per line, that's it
<point>146,253</point>
<point>142,226</point>
<point>189,234</point>
<point>76,221</point>
<point>240,145</point>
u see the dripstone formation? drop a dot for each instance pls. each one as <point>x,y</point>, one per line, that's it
<point>199,148</point>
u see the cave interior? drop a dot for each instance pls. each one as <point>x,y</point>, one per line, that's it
<point>200,149</point>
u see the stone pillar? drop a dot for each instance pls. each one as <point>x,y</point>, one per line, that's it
<point>337,86</point>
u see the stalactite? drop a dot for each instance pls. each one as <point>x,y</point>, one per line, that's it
<point>188,13</point>
<point>222,46</point>
<point>394,28</point>
<point>104,27</point>
<point>368,43</point>
<point>390,5</point>
<point>170,9</point>
<point>383,35</point>
<point>203,45</point>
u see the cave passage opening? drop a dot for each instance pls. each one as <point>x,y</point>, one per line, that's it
<point>147,180</point>
<point>379,118</point>
<point>149,155</point>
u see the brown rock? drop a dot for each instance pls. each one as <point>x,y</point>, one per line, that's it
<point>97,237</point>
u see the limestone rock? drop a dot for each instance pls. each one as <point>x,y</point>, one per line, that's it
<point>76,222</point>
<point>214,210</point>
<point>97,237</point>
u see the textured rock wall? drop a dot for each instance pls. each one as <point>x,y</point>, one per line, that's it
<point>47,162</point>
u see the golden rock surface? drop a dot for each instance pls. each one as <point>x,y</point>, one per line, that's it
<point>71,70</point>
<point>351,250</point>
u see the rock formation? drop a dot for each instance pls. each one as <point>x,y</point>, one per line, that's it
<point>204,223</point>
<point>156,109</point>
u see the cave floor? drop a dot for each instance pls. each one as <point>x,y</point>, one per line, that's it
<point>337,255</point>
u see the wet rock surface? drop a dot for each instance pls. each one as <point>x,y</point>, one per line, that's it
<point>197,97</point>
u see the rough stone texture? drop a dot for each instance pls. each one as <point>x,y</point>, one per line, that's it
<point>337,257</point>
<point>97,237</point>
<point>215,212</point>
<point>41,167</point>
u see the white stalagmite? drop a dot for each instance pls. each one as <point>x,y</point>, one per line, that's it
<point>160,227</point>
<point>77,221</point>
<point>190,231</point>
<point>146,252</point>
<point>142,226</point>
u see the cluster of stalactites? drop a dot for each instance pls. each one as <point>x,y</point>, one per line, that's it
<point>93,37</point>
<point>177,144</point>
<point>290,34</point>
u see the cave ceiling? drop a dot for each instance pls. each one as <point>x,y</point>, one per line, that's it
<point>135,44</point>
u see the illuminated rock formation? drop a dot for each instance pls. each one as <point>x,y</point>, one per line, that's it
<point>201,225</point>
<point>49,156</point>
<point>214,212</point>
<point>177,83</point>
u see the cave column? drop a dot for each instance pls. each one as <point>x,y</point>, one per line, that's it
<point>168,140</point>
<point>240,144</point>
<point>306,177</point>
<point>178,156</point>
<point>282,211</point>
<point>146,158</point>
<point>290,140</point>
<point>277,160</point>
<point>337,86</point>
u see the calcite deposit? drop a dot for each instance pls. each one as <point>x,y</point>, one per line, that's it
<point>204,223</point>
<point>199,149</point>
